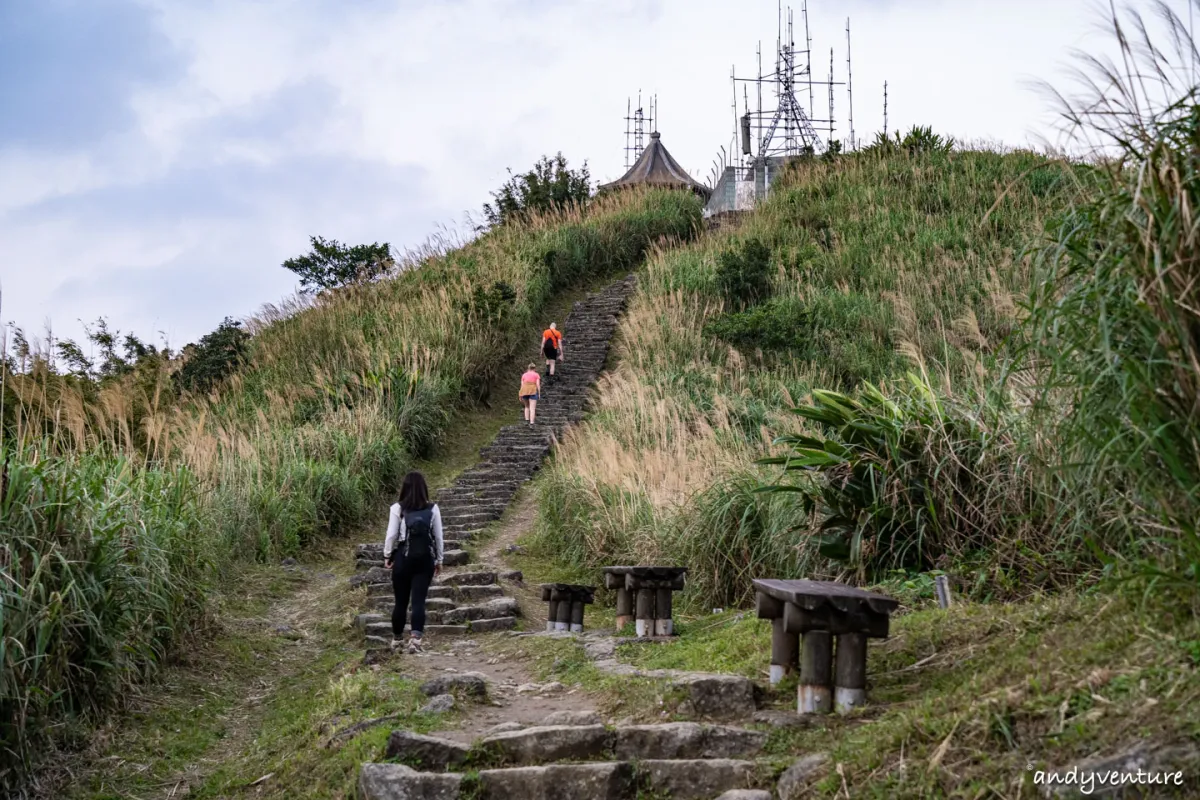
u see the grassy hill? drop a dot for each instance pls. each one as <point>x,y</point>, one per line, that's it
<point>878,265</point>
<point>122,507</point>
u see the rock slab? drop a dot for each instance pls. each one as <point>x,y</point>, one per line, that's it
<point>544,743</point>
<point>687,740</point>
<point>426,752</point>
<point>596,781</point>
<point>398,782</point>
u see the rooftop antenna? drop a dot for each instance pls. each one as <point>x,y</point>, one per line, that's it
<point>885,109</point>
<point>831,95</point>
<point>850,87</point>
<point>629,109</point>
<point>808,58</point>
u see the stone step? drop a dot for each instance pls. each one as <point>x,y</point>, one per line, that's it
<point>383,630</point>
<point>598,780</point>
<point>459,594</point>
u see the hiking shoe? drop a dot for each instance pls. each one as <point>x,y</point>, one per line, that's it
<point>395,643</point>
<point>414,645</point>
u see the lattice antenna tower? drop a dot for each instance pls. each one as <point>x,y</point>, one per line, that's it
<point>636,121</point>
<point>789,129</point>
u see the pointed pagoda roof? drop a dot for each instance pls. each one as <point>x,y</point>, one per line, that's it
<point>655,167</point>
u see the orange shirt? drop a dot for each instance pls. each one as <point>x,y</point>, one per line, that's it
<point>552,334</point>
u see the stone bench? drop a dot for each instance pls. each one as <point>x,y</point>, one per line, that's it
<point>644,593</point>
<point>566,602</point>
<point>820,612</point>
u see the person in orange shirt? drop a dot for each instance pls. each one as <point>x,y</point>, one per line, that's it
<point>531,384</point>
<point>552,346</point>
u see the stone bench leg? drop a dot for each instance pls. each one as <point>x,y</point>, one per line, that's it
<point>562,622</point>
<point>816,665</point>
<point>552,615</point>
<point>785,650</point>
<point>645,612</point>
<point>850,676</point>
<point>663,626</point>
<point>624,608</point>
<point>577,616</point>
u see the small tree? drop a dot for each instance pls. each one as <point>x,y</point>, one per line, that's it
<point>549,186</point>
<point>217,356</point>
<point>332,264</point>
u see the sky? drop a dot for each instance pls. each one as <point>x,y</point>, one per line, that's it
<point>159,159</point>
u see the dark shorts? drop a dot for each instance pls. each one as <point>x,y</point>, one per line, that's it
<point>529,397</point>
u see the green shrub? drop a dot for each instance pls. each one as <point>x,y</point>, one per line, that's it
<point>845,334</point>
<point>917,481</point>
<point>744,278</point>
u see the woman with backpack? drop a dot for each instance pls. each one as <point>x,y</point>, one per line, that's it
<point>531,386</point>
<point>413,552</point>
<point>552,347</point>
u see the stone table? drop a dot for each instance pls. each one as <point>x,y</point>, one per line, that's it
<point>645,594</point>
<point>822,612</point>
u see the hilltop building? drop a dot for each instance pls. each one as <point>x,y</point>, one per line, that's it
<point>655,167</point>
<point>741,188</point>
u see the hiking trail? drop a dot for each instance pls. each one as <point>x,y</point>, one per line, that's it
<point>520,738</point>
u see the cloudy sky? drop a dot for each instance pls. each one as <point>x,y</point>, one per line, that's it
<point>160,158</point>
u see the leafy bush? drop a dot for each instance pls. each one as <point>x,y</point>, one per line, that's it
<point>744,278</point>
<point>921,481</point>
<point>548,187</point>
<point>214,358</point>
<point>332,264</point>
<point>920,140</point>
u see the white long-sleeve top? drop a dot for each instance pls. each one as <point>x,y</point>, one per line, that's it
<point>396,533</point>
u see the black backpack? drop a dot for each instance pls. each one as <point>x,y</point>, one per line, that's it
<point>418,533</point>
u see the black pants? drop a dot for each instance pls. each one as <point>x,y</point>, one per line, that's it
<point>411,577</point>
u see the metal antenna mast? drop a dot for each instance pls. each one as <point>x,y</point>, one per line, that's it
<point>789,119</point>
<point>849,87</point>
<point>885,109</point>
<point>635,126</point>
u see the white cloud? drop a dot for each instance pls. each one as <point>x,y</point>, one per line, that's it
<point>375,120</point>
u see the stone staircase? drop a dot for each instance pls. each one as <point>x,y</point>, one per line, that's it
<point>680,760</point>
<point>476,601</point>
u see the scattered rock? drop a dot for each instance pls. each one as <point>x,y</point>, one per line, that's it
<point>784,719</point>
<point>377,655</point>
<point>696,780</point>
<point>552,687</point>
<point>602,781</point>
<point>687,740</point>
<point>793,783</point>
<point>746,794</point>
<point>378,641</point>
<point>503,727</point>
<point>426,752</point>
<point>398,782</point>
<point>471,684</point>
<point>515,549</point>
<point>572,718</point>
<point>289,562</point>
<point>493,624</point>
<point>719,696</point>
<point>549,743</point>
<point>439,704</point>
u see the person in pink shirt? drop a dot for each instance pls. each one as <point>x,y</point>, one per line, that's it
<point>531,385</point>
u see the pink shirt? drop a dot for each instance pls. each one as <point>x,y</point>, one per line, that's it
<point>531,377</point>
